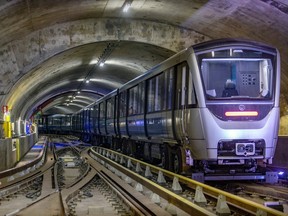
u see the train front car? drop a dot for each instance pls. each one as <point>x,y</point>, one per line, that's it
<point>238,97</point>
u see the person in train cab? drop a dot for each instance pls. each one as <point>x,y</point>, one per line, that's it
<point>229,89</point>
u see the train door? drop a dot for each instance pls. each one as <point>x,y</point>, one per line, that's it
<point>183,92</point>
<point>185,114</point>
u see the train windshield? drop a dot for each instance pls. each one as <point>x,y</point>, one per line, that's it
<point>237,73</point>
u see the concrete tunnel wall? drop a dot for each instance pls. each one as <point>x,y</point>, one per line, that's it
<point>19,57</point>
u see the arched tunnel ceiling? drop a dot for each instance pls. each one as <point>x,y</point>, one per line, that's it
<point>48,48</point>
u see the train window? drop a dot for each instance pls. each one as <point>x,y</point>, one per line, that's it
<point>185,89</point>
<point>86,116</point>
<point>141,97</point>
<point>110,107</point>
<point>159,92</point>
<point>123,104</point>
<point>159,87</point>
<point>151,95</point>
<point>93,118</point>
<point>237,73</point>
<point>191,91</point>
<point>81,120</point>
<point>116,111</point>
<point>102,111</point>
<point>133,101</point>
<point>168,91</point>
<point>183,69</point>
<point>156,91</point>
<point>136,99</point>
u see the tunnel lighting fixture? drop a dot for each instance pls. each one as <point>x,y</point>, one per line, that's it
<point>238,51</point>
<point>94,61</point>
<point>101,60</point>
<point>280,173</point>
<point>126,5</point>
<point>213,53</point>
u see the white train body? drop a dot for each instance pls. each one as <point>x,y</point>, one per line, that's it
<point>209,106</point>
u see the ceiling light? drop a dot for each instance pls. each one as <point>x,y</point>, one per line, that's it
<point>126,7</point>
<point>93,61</point>
<point>101,64</point>
<point>87,81</point>
<point>78,92</point>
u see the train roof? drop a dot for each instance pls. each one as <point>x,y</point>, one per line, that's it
<point>150,73</point>
<point>182,55</point>
<point>171,61</point>
<point>233,42</point>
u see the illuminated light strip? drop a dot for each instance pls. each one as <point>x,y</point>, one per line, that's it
<point>243,113</point>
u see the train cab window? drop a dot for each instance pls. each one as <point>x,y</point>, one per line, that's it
<point>237,73</point>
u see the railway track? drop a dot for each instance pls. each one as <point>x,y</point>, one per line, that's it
<point>70,186</point>
<point>274,196</point>
<point>78,180</point>
<point>180,191</point>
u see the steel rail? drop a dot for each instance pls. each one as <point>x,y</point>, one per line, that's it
<point>140,204</point>
<point>231,199</point>
<point>175,199</point>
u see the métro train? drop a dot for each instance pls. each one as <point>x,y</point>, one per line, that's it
<point>213,108</point>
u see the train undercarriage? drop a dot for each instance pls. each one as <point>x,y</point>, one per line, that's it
<point>177,159</point>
